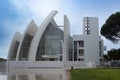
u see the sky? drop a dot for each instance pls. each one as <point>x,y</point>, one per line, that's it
<point>15,15</point>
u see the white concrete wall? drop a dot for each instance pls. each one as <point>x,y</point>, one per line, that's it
<point>102,47</point>
<point>78,37</point>
<point>46,64</point>
<point>66,38</point>
<point>35,64</point>
<point>74,64</point>
<point>91,41</point>
<point>3,64</point>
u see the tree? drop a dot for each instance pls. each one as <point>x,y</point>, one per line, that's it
<point>111,28</point>
<point>113,54</point>
<point>105,57</point>
<point>2,59</point>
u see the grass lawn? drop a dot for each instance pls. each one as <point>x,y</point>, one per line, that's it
<point>95,74</point>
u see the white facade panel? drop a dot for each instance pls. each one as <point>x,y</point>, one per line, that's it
<point>66,38</point>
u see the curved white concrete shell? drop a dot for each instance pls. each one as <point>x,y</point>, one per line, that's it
<point>36,39</point>
<point>29,33</point>
<point>14,46</point>
<point>12,53</point>
<point>66,38</point>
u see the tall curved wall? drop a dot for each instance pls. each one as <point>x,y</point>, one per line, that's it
<point>14,46</point>
<point>23,50</point>
<point>37,37</point>
<point>66,38</point>
<point>50,42</point>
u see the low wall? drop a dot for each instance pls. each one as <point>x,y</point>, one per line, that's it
<point>47,64</point>
<point>74,64</point>
<point>3,64</point>
<point>3,67</point>
<point>35,64</point>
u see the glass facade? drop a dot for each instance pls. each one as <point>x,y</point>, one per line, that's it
<point>75,50</point>
<point>78,49</point>
<point>50,45</point>
<point>25,47</point>
<point>14,52</point>
<point>81,59</point>
<point>81,43</point>
<point>81,52</point>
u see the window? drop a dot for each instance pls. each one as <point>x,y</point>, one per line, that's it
<point>81,59</point>
<point>61,58</point>
<point>81,52</point>
<point>87,25</point>
<point>81,43</point>
<point>75,50</point>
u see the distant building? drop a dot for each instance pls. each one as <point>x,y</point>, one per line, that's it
<point>50,46</point>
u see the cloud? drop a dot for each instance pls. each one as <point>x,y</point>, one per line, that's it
<point>39,9</point>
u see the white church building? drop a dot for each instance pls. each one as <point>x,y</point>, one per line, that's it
<point>50,46</point>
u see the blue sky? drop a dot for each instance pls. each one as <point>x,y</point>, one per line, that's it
<point>15,15</point>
